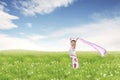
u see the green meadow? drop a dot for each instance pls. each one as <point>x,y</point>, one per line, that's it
<point>35,65</point>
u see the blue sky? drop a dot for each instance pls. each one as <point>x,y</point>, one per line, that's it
<point>48,24</point>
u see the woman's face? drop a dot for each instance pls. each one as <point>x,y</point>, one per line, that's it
<point>73,43</point>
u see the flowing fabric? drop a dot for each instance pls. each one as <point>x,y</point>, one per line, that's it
<point>101,50</point>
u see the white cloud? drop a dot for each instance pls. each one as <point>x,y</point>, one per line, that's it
<point>22,33</point>
<point>109,14</point>
<point>32,7</point>
<point>6,19</point>
<point>35,37</point>
<point>3,3</point>
<point>29,25</point>
<point>8,42</point>
<point>105,33</point>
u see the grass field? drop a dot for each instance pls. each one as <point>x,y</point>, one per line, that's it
<point>35,65</point>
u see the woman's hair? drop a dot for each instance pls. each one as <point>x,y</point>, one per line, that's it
<point>73,40</point>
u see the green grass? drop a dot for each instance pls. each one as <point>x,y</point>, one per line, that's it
<point>35,65</point>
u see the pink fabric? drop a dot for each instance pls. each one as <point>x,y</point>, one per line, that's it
<point>101,50</point>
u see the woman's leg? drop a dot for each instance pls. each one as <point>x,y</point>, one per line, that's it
<point>75,62</point>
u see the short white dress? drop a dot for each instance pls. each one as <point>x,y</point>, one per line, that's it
<point>74,58</point>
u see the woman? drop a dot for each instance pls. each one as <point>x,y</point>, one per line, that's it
<point>73,52</point>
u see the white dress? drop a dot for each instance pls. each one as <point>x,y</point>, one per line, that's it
<point>74,58</point>
<point>72,52</point>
